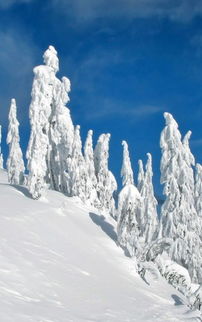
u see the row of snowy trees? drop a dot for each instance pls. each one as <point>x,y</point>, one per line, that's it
<point>57,160</point>
<point>180,218</point>
<point>55,156</point>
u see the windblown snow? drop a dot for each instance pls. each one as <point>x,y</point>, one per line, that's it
<point>59,262</point>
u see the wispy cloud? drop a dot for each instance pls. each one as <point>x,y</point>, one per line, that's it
<point>87,11</point>
<point>6,4</point>
<point>116,109</point>
<point>196,143</point>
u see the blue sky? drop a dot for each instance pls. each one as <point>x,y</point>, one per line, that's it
<point>128,62</point>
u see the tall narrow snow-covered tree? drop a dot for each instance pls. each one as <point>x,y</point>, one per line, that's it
<point>1,155</point>
<point>149,215</point>
<point>77,168</point>
<point>171,164</point>
<point>178,215</point>
<point>106,183</point>
<point>51,136</point>
<point>126,171</point>
<point>15,163</point>
<point>141,174</point>
<point>91,180</point>
<point>198,191</point>
<point>40,113</point>
<point>61,137</point>
<point>129,209</point>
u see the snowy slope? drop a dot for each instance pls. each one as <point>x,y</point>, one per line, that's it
<point>59,262</point>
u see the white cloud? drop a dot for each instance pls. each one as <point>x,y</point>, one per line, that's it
<point>87,11</point>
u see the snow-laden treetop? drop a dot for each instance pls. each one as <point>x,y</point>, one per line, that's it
<point>126,170</point>
<point>169,119</point>
<point>51,59</point>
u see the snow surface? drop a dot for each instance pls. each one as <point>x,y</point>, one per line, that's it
<point>59,262</point>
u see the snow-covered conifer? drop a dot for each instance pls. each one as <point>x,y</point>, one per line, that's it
<point>149,219</point>
<point>49,150</point>
<point>77,167</point>
<point>140,178</point>
<point>178,215</point>
<point>61,137</point>
<point>15,163</point>
<point>106,183</point>
<point>198,190</point>
<point>91,180</point>
<point>126,171</point>
<point>171,163</point>
<point>129,209</point>
<point>1,155</point>
<point>128,229</point>
<point>40,113</point>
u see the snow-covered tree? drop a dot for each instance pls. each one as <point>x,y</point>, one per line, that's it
<point>15,163</point>
<point>91,180</point>
<point>149,218</point>
<point>128,229</point>
<point>1,155</point>
<point>61,137</point>
<point>198,198</point>
<point>171,164</point>
<point>129,209</point>
<point>77,168</point>
<point>140,178</point>
<point>40,113</point>
<point>178,215</point>
<point>126,171</point>
<point>52,131</point>
<point>106,183</point>
<point>198,189</point>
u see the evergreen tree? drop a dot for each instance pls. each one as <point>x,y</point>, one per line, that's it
<point>40,113</point>
<point>106,183</point>
<point>140,178</point>
<point>178,215</point>
<point>91,180</point>
<point>77,168</point>
<point>129,210</point>
<point>198,192</point>
<point>15,163</point>
<point>61,137</point>
<point>149,218</point>
<point>171,164</point>
<point>126,171</point>
<point>1,155</point>
<point>50,144</point>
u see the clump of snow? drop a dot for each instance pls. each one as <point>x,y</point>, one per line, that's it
<point>51,59</point>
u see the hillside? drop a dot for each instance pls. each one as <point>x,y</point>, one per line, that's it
<point>59,262</point>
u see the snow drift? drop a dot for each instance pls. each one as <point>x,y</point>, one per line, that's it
<point>59,262</point>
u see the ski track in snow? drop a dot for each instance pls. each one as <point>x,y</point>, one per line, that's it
<point>59,262</point>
